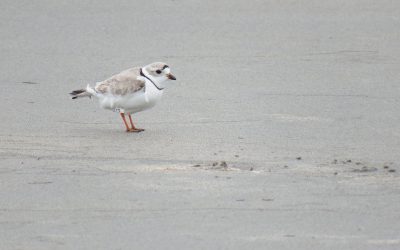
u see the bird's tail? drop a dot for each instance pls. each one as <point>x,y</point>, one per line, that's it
<point>88,92</point>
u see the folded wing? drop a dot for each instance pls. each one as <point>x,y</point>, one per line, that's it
<point>126,82</point>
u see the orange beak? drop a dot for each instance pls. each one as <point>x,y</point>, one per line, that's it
<point>171,77</point>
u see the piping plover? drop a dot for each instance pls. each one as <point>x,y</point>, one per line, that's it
<point>131,91</point>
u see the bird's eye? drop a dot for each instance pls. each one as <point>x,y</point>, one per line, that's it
<point>158,71</point>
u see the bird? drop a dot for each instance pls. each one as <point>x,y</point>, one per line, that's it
<point>130,91</point>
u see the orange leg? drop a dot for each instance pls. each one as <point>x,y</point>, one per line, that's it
<point>128,129</point>
<point>126,124</point>
<point>134,129</point>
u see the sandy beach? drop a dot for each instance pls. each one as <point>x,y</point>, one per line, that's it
<point>282,130</point>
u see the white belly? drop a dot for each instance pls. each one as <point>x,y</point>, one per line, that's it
<point>132,103</point>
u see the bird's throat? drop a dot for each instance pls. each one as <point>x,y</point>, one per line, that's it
<point>148,78</point>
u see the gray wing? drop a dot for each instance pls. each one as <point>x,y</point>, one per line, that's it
<point>126,82</point>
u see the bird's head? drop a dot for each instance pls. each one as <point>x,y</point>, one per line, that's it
<point>159,71</point>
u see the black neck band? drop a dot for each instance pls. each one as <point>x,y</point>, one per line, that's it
<point>142,74</point>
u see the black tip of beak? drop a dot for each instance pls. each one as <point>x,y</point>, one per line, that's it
<point>171,77</point>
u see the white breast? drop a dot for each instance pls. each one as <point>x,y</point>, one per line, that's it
<point>152,94</point>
